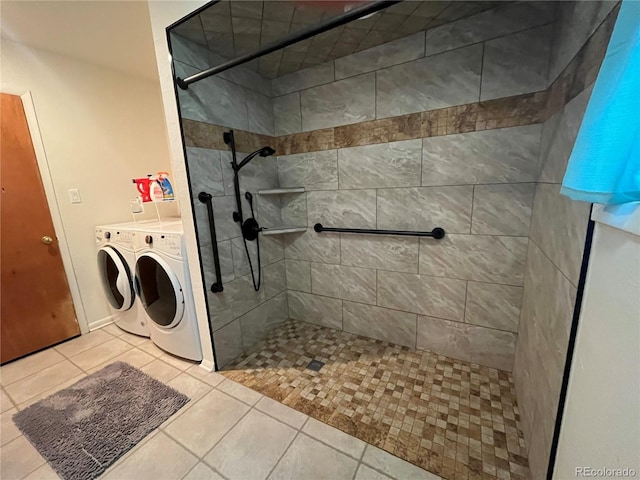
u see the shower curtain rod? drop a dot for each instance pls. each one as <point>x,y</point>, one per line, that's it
<point>312,31</point>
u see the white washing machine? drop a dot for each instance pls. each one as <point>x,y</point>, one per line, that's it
<point>116,266</point>
<point>165,289</point>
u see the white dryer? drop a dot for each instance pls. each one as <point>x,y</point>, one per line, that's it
<point>116,266</point>
<point>165,289</point>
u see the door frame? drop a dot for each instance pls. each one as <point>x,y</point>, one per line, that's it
<point>52,201</point>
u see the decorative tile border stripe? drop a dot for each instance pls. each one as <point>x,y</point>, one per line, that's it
<point>526,109</point>
<point>514,111</point>
<point>306,142</point>
<point>208,135</point>
<point>393,129</point>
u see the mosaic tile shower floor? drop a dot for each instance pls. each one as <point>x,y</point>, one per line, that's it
<point>453,418</point>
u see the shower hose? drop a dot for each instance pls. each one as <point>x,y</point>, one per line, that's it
<point>256,286</point>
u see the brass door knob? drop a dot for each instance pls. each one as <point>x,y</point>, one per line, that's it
<point>47,240</point>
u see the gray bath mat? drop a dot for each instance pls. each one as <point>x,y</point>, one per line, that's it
<point>86,427</point>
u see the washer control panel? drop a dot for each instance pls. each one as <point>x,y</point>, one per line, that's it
<point>122,237</point>
<point>166,242</point>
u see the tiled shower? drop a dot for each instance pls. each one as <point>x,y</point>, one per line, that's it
<point>429,114</point>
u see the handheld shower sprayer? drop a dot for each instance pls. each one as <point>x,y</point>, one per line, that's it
<point>249,227</point>
<point>263,152</point>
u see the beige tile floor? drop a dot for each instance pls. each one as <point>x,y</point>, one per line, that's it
<point>227,431</point>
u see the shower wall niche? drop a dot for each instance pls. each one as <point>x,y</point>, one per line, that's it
<point>460,123</point>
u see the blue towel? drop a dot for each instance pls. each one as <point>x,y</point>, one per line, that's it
<point>604,166</point>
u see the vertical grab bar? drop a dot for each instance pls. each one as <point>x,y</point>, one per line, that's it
<point>205,197</point>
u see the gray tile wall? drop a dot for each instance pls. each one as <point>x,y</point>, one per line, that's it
<point>449,78</point>
<point>313,171</point>
<point>516,63</point>
<point>475,344</point>
<point>392,53</point>
<point>239,315</point>
<point>342,208</point>
<point>424,207</point>
<point>351,100</point>
<point>395,164</point>
<point>287,114</point>
<point>505,155</point>
<point>242,97</point>
<point>497,53</point>
<point>488,25</point>
<point>556,244</point>
<point>576,23</point>
<point>461,295</point>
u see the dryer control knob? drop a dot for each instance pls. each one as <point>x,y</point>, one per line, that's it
<point>148,239</point>
<point>107,235</point>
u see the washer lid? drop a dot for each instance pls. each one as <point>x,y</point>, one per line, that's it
<point>116,277</point>
<point>160,290</point>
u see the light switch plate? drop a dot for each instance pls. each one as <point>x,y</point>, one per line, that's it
<point>74,195</point>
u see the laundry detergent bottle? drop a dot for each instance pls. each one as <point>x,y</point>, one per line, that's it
<point>165,185</point>
<point>156,191</point>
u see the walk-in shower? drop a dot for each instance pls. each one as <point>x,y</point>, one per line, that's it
<point>382,203</point>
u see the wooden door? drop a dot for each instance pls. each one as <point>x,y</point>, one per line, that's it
<point>36,309</point>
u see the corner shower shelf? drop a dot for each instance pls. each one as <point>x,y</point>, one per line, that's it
<point>281,191</point>
<point>283,230</point>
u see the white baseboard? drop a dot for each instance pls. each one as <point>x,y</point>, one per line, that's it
<point>207,365</point>
<point>102,322</point>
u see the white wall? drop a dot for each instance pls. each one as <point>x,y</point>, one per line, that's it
<point>163,14</point>
<point>100,128</point>
<point>601,423</point>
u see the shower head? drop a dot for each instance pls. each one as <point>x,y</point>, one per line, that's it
<point>263,152</point>
<point>266,151</point>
